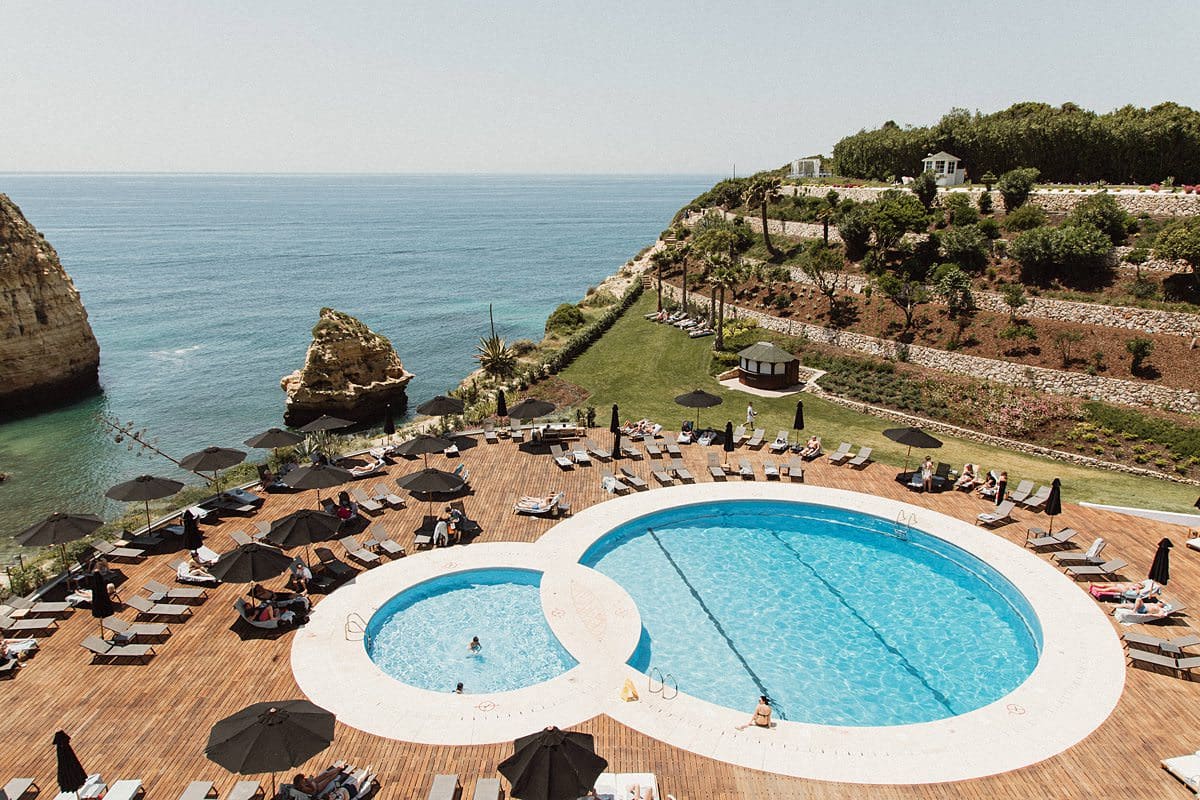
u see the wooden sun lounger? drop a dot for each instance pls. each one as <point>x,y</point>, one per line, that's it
<point>714,467</point>
<point>148,608</point>
<point>1038,501</point>
<point>384,495</point>
<point>795,469</point>
<point>1052,540</point>
<point>841,455</point>
<point>681,471</point>
<point>652,449</point>
<point>633,480</point>
<point>862,459</point>
<point>385,543</point>
<point>106,651</point>
<point>745,469</point>
<point>770,470</point>
<point>160,592</point>
<point>135,630</point>
<point>1107,569</point>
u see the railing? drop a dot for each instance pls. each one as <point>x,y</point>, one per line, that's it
<point>663,678</point>
<point>355,629</point>
<point>903,525</point>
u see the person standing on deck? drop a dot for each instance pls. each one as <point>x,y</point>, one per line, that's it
<point>750,415</point>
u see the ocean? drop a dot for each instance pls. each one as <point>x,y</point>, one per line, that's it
<point>203,289</point>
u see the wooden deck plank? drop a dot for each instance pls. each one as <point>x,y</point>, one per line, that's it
<point>151,722</point>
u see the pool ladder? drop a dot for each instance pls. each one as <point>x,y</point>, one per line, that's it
<point>662,680</point>
<point>903,526</point>
<point>355,629</point>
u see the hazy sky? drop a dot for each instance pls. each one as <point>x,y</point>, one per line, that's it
<point>616,87</point>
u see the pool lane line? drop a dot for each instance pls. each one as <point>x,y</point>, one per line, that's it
<point>720,629</point>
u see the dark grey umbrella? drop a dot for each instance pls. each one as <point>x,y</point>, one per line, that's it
<point>698,399</point>
<point>531,408</point>
<point>58,529</point>
<point>212,459</point>
<point>727,445</point>
<point>102,604</point>
<point>269,737</point>
<point>798,422</point>
<point>422,445</point>
<point>250,563</point>
<point>440,406</point>
<point>326,423</point>
<point>614,424</point>
<point>320,476</point>
<point>912,437</point>
<point>273,438</point>
<point>616,451</point>
<point>1054,501</point>
<point>71,775</point>
<point>193,539</point>
<point>389,422</point>
<point>302,528</point>
<point>502,408</point>
<point>429,482</point>
<point>144,488</point>
<point>552,765</point>
<point>1160,570</point>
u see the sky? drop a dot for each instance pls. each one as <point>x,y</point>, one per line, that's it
<point>546,87</point>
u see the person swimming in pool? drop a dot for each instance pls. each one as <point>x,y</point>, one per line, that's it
<point>458,689</point>
<point>474,648</point>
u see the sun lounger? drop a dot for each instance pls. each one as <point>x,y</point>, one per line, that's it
<point>714,467</point>
<point>240,537</point>
<point>1108,568</point>
<point>93,786</point>
<point>384,495</point>
<point>445,787</point>
<point>745,469</point>
<point>107,651</point>
<point>114,553</point>
<point>262,528</point>
<point>1181,665</point>
<point>40,625</point>
<point>559,454</point>
<point>681,471</point>
<point>517,431</point>
<point>125,790</point>
<point>611,483</point>
<point>247,615</point>
<point>489,433</point>
<point>487,789</point>
<point>671,445</point>
<point>161,592</point>
<point>863,458</point>
<point>662,475</point>
<point>1127,616</point>
<point>756,440</point>
<point>629,450</point>
<point>1091,556</point>
<point>841,455</point>
<point>739,435</point>
<point>1001,516</point>
<point>538,506</point>
<point>380,539</point>
<point>198,790</point>
<point>781,444</point>
<point>128,631</point>
<point>795,469</point>
<point>770,470</point>
<point>17,788</point>
<point>1186,769</point>
<point>1169,646</point>
<point>365,502</point>
<point>359,553</point>
<point>597,451</point>
<point>652,449</point>
<point>633,480</point>
<point>580,454</point>
<point>1021,493</point>
<point>148,608</point>
<point>24,607</point>
<point>1037,501</point>
<point>245,790</point>
<point>1059,539</point>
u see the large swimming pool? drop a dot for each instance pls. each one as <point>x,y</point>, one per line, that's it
<point>840,617</point>
<point>421,635</point>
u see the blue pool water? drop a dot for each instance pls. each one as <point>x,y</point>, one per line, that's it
<point>837,621</point>
<point>420,636</point>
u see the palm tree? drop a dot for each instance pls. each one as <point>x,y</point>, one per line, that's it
<point>761,192</point>
<point>663,259</point>
<point>725,274</point>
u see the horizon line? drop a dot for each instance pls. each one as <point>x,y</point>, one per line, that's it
<point>355,173</point>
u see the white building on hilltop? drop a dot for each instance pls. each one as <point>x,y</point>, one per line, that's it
<point>948,169</point>
<point>809,168</point>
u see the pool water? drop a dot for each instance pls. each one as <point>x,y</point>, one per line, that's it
<point>824,610</point>
<point>420,636</point>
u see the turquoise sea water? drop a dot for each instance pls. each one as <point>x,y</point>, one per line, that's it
<point>819,608</point>
<point>202,291</point>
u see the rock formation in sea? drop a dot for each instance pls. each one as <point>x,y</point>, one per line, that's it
<point>350,372</point>
<point>48,353</point>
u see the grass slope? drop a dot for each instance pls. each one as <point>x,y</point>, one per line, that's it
<point>642,366</point>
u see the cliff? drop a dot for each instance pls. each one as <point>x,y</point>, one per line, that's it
<point>48,353</point>
<point>350,372</point>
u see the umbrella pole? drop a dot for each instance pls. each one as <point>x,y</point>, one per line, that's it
<point>147,517</point>
<point>906,455</point>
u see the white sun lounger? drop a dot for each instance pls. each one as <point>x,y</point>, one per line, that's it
<point>1108,568</point>
<point>1001,516</point>
<point>770,470</point>
<point>367,503</point>
<point>160,592</point>
<point>384,495</point>
<point>714,467</point>
<point>1186,769</point>
<point>611,483</point>
<point>745,469</point>
<point>596,450</point>
<point>1092,556</point>
<point>757,439</point>
<point>1021,493</point>
<point>841,455</point>
<point>795,468</point>
<point>780,444</point>
<point>359,553</point>
<point>17,788</point>
<point>862,459</point>
<point>633,480</point>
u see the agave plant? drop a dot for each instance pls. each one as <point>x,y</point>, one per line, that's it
<point>495,355</point>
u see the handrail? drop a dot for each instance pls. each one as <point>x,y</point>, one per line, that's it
<point>355,629</point>
<point>650,680</point>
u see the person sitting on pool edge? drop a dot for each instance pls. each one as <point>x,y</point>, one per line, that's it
<point>474,648</point>
<point>458,688</point>
<point>762,715</point>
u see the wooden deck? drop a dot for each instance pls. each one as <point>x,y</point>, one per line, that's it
<point>151,721</point>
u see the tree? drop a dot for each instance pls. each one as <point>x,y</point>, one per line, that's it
<point>1014,298</point>
<point>725,273</point>
<point>1139,350</point>
<point>966,246</point>
<point>662,259</point>
<point>954,287</point>
<point>763,190</point>
<point>1025,218</point>
<point>1065,340</point>
<point>892,216</point>
<point>1180,241</point>
<point>823,266</point>
<point>1102,212</point>
<point>959,210</point>
<point>855,227</point>
<point>1071,253</point>
<point>925,188</point>
<point>985,202</point>
<point>1015,185</point>
<point>827,213</point>
<point>988,180</point>
<point>905,293</point>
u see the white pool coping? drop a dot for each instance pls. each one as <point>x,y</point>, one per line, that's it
<point>1074,688</point>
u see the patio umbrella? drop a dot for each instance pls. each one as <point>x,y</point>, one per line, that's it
<point>531,408</point>
<point>614,424</point>
<point>273,438</point>
<point>1160,570</point>
<point>58,529</point>
<point>798,422</point>
<point>250,563</point>
<point>269,737</point>
<point>552,765</point>
<point>1054,502</point>
<point>422,445</point>
<point>193,539</point>
<point>302,528</point>
<point>71,775</point>
<point>144,488</point>
<point>502,407</point>
<point>212,459</point>
<point>440,406</point>
<point>430,481</point>
<point>698,399</point>
<point>320,476</point>
<point>616,451</point>
<point>389,422</point>
<point>727,445</point>
<point>912,437</point>
<point>326,423</point>
<point>102,604</point>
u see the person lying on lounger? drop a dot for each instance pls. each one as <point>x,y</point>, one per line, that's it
<point>1127,590</point>
<point>813,447</point>
<point>19,649</point>
<point>967,480</point>
<point>192,571</point>
<point>989,487</point>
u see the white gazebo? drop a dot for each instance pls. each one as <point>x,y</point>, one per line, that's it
<point>809,168</point>
<point>947,168</point>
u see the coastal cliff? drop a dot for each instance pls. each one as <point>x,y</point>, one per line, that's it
<point>350,371</point>
<point>48,353</point>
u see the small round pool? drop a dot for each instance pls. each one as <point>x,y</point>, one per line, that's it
<point>840,617</point>
<point>421,635</point>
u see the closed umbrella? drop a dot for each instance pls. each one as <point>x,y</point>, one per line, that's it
<point>269,737</point>
<point>614,424</point>
<point>71,775</point>
<point>912,437</point>
<point>616,451</point>
<point>502,405</point>
<point>531,408</point>
<point>250,563</point>
<point>320,476</point>
<point>144,488</point>
<point>193,539</point>
<point>273,438</point>
<point>1160,570</point>
<point>102,604</point>
<point>1054,502</point>
<point>552,765</point>
<point>727,445</point>
<point>389,422</point>
<point>212,459</point>
<point>698,399</point>
<point>422,445</point>
<point>798,422</point>
<point>326,423</point>
<point>429,482</point>
<point>59,529</point>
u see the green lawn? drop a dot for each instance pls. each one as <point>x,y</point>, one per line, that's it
<point>642,366</point>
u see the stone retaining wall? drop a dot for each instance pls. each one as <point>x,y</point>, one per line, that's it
<point>1072,384</point>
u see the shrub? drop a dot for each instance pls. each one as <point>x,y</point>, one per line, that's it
<point>523,347</point>
<point>24,580</point>
<point>1014,298</point>
<point>966,246</point>
<point>566,318</point>
<point>855,228</point>
<point>1180,241</point>
<point>986,206</point>
<point>1064,341</point>
<point>1015,185</point>
<point>960,210</point>
<point>1071,253</point>
<point>924,186</point>
<point>1139,350</point>
<point>597,298</point>
<point>1024,218</point>
<point>1144,289</point>
<point>954,287</point>
<point>1102,212</point>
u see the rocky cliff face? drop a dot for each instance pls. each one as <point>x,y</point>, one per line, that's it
<point>48,354</point>
<point>350,372</point>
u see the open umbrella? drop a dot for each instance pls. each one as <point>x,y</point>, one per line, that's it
<point>440,405</point>
<point>302,528</point>
<point>614,424</point>
<point>429,482</point>
<point>144,488</point>
<point>273,438</point>
<point>102,604</point>
<point>58,529</point>
<point>502,405</point>
<point>320,476</point>
<point>193,539</point>
<point>269,737</point>
<point>698,399</point>
<point>326,423</point>
<point>531,408</point>
<point>1160,570</point>
<point>912,437</point>
<point>552,765</point>
<point>71,775</point>
<point>798,422</point>
<point>1054,502</point>
<point>250,563</point>
<point>422,445</point>
<point>389,422</point>
<point>727,445</point>
<point>212,459</point>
